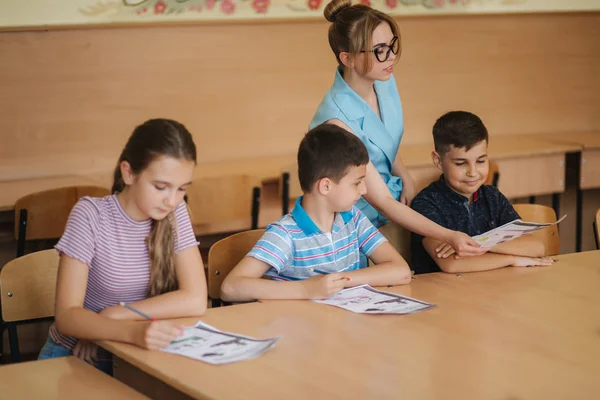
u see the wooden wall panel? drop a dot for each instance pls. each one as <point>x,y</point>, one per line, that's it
<point>70,98</point>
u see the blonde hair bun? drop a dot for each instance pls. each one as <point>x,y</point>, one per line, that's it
<point>333,9</point>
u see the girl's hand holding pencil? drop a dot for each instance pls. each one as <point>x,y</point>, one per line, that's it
<point>153,334</point>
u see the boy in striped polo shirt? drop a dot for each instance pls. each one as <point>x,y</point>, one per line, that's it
<point>322,246</point>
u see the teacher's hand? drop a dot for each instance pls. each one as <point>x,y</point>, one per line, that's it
<point>409,190</point>
<point>461,244</point>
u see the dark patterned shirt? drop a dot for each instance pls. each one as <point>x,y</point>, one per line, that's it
<point>489,210</point>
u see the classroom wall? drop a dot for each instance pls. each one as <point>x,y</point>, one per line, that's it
<point>70,98</point>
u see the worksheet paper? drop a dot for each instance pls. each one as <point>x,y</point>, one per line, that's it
<point>510,231</point>
<point>207,343</point>
<point>366,300</point>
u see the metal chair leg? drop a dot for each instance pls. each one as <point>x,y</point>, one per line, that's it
<point>2,329</point>
<point>255,206</point>
<point>13,338</point>
<point>22,233</point>
<point>285,193</point>
<point>496,179</point>
<point>556,205</point>
<point>578,219</point>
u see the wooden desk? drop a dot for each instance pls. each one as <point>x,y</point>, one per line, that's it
<point>543,160</point>
<point>514,333</point>
<point>590,163</point>
<point>61,378</point>
<point>103,165</point>
<point>587,167</point>
<point>267,169</point>
<point>589,143</point>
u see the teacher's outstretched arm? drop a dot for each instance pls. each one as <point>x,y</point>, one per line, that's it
<point>379,196</point>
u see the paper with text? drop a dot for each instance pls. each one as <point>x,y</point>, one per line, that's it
<point>510,231</point>
<point>207,343</point>
<point>364,299</point>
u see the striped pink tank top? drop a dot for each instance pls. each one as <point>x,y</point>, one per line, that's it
<point>113,245</point>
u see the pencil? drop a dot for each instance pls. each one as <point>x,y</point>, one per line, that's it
<point>135,310</point>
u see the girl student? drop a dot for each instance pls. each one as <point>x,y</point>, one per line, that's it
<point>136,246</point>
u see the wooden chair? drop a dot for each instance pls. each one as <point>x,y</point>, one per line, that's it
<point>542,214</point>
<point>27,291</point>
<point>289,187</point>
<point>226,254</point>
<point>43,215</point>
<point>596,225</point>
<point>224,204</point>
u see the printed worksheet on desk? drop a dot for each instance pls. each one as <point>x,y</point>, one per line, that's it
<point>367,300</point>
<point>208,344</point>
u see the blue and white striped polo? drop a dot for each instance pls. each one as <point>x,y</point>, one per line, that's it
<point>294,246</point>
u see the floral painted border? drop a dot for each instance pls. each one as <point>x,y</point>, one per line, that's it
<point>143,8</point>
<point>47,13</point>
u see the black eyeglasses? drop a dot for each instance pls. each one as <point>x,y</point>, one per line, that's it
<point>382,51</point>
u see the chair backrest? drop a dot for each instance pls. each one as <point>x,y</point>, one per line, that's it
<point>596,225</point>
<point>28,286</point>
<point>225,200</point>
<point>542,214</point>
<point>225,254</point>
<point>289,186</point>
<point>48,211</point>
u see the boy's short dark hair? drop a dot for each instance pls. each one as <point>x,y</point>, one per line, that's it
<point>459,129</point>
<point>327,151</point>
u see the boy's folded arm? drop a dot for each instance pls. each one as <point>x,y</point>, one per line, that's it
<point>526,246</point>
<point>484,262</point>
<point>389,269</point>
<point>245,283</point>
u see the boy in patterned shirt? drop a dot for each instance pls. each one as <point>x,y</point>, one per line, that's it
<point>460,201</point>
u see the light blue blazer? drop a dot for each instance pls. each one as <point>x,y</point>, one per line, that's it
<point>380,136</point>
